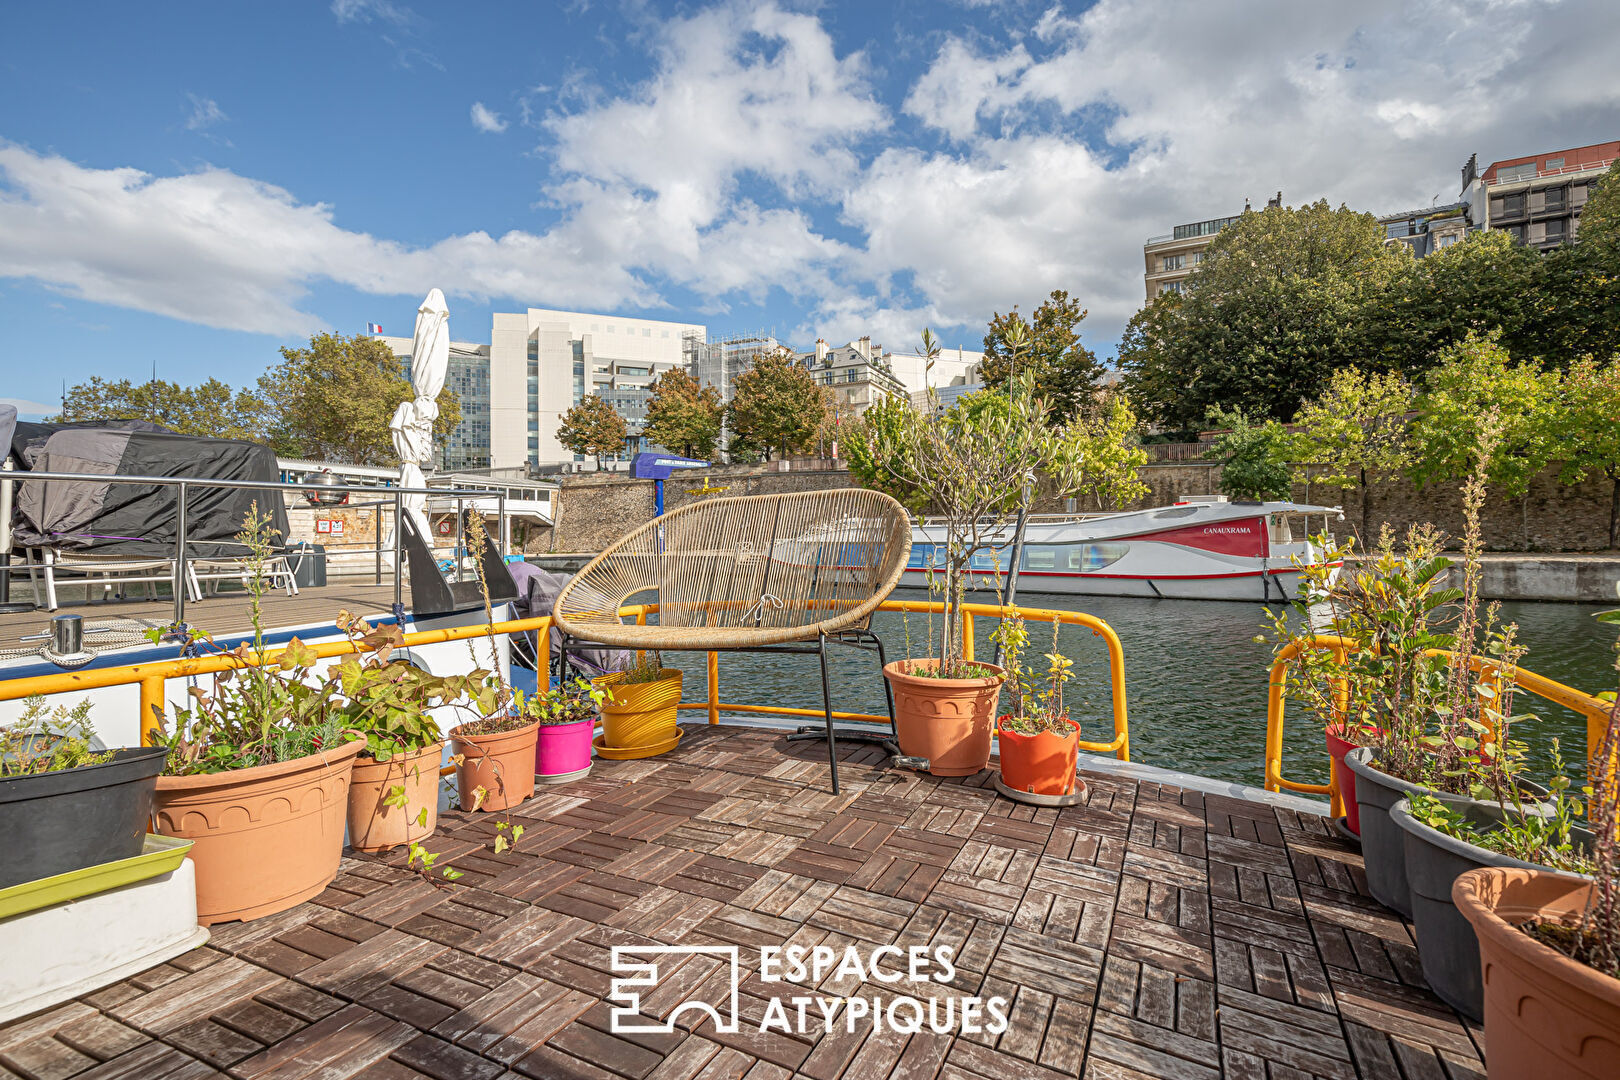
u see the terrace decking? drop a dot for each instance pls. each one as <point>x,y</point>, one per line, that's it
<point>1152,932</point>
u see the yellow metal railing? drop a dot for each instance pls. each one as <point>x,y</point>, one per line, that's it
<point>1595,710</point>
<point>151,677</point>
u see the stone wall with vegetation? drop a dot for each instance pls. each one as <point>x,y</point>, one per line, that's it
<point>1552,517</point>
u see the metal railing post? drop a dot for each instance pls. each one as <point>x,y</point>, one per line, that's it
<point>399,548</point>
<point>461,535</point>
<point>500,508</point>
<point>180,559</point>
<point>377,548</point>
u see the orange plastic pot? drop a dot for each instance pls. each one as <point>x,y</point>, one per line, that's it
<point>946,721</point>
<point>639,716</point>
<point>1545,1013</point>
<point>1340,776</point>
<point>376,826</point>
<point>1043,763</point>
<point>502,764</point>
<point>263,839</point>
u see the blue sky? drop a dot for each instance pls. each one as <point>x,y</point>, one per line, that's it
<point>196,184</point>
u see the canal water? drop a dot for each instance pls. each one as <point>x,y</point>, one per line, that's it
<point>1195,679</point>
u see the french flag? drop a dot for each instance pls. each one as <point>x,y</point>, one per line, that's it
<point>373,328</point>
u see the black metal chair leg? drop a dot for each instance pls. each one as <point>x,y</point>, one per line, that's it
<point>826,706</point>
<point>888,691</point>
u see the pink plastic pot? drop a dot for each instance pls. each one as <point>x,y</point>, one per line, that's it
<point>564,751</point>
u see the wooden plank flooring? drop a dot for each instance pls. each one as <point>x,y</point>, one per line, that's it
<point>1150,933</point>
<point>221,614</point>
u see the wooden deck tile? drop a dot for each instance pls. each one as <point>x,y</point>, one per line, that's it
<point>1149,932</point>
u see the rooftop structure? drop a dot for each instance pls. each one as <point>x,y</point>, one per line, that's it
<point>1172,257</point>
<point>1537,199</point>
<point>1427,230</point>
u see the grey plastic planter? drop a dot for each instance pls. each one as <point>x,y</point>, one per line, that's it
<point>1447,946</point>
<point>1383,847</point>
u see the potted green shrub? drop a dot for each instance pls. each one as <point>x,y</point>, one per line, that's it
<point>567,716</point>
<point>974,465</point>
<point>257,771</point>
<point>394,788</point>
<point>1443,841</point>
<point>66,804</point>
<point>1039,741</point>
<point>1550,946</point>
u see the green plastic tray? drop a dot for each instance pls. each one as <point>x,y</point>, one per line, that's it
<point>160,855</point>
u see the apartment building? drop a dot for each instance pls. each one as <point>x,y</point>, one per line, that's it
<point>1171,258</point>
<point>1426,231</point>
<point>1537,199</point>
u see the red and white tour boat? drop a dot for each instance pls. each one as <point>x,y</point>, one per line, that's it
<point>1202,549</point>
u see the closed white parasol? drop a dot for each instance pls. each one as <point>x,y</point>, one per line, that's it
<point>413,420</point>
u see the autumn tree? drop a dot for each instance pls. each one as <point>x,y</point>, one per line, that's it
<point>1588,427</point>
<point>333,401</point>
<point>683,415</point>
<point>213,408</point>
<point>1600,217</point>
<point>1357,430</point>
<point>592,427</point>
<point>776,404</point>
<point>1065,372</point>
<point>1268,316</point>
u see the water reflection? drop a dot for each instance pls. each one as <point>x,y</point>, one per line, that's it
<point>1195,679</point>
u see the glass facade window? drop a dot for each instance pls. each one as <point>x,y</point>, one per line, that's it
<point>467,447</point>
<point>1509,174</point>
<point>1202,228</point>
<point>1173,262</point>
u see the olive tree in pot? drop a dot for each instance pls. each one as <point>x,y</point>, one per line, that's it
<point>974,465</point>
<point>1549,945</point>
<point>66,804</point>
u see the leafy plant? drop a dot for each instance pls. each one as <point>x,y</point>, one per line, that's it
<point>388,700</point>
<point>1037,702</point>
<point>1256,458</point>
<point>42,742</point>
<point>648,667</point>
<point>570,703</point>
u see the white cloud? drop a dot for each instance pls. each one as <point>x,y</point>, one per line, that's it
<point>205,113</point>
<point>1064,146</point>
<point>485,120</point>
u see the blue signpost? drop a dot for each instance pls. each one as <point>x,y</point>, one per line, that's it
<point>658,468</point>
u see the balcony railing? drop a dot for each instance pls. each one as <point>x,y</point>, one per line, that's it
<point>1544,173</point>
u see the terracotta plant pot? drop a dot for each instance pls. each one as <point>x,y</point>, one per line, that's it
<point>1342,779</point>
<point>263,839</point>
<point>1545,1014</point>
<point>946,721</point>
<point>502,764</point>
<point>639,715</point>
<point>563,751</point>
<point>1043,763</point>
<point>374,826</point>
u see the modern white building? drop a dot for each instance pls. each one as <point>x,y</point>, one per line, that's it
<point>538,365</point>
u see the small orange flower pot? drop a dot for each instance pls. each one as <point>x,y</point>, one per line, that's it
<point>375,826</point>
<point>502,764</point>
<point>1041,764</point>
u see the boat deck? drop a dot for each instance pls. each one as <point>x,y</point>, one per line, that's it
<point>1151,932</point>
<point>220,614</point>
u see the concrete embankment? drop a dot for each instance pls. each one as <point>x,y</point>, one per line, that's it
<point>1573,577</point>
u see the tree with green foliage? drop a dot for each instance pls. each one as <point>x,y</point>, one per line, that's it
<point>214,409</point>
<point>776,404</point>
<point>1588,429</point>
<point>1256,458</point>
<point>683,415</point>
<point>971,464</point>
<point>1485,284</point>
<point>333,401</point>
<point>1357,430</point>
<point>1472,378</point>
<point>1600,217</point>
<point>1267,317</point>
<point>1066,373</point>
<point>592,427</point>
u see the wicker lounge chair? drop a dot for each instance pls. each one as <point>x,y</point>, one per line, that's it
<point>772,573</point>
